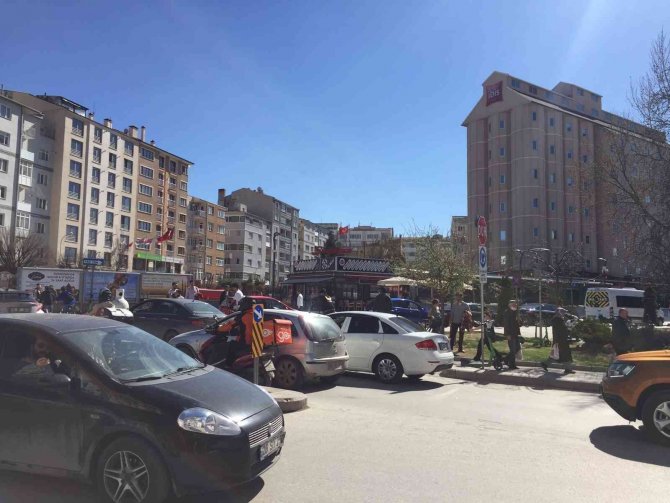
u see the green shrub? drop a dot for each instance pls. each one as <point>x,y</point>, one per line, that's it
<point>594,333</point>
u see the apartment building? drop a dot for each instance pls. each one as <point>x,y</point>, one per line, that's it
<point>26,173</point>
<point>285,221</point>
<point>358,238</point>
<point>310,237</point>
<point>248,245</point>
<point>205,242</point>
<point>95,209</point>
<point>531,153</point>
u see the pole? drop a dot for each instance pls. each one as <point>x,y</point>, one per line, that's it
<point>482,326</point>
<point>90,296</point>
<point>540,307</point>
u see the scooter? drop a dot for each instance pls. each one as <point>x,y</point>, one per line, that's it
<point>117,309</point>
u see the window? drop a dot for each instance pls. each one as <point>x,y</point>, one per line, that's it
<point>109,240</point>
<point>76,148</point>
<point>110,199</point>
<point>95,195</point>
<point>503,235</point>
<point>78,127</point>
<point>568,126</point>
<point>181,235</point>
<point>571,237</point>
<point>129,148</point>
<point>502,179</point>
<point>146,190</point>
<point>71,233</point>
<point>183,185</point>
<point>516,83</point>
<point>128,166</point>
<point>144,207</point>
<point>109,219</point>
<point>75,169</point>
<point>489,154</point>
<point>536,232</point>
<point>586,212</point>
<point>210,227</point>
<point>534,144</point>
<point>161,162</point>
<point>571,209</point>
<point>552,149</point>
<point>222,229</point>
<point>534,116</point>
<point>26,169</point>
<point>552,178</point>
<point>146,153</point>
<point>587,239</point>
<point>43,155</point>
<point>126,203</point>
<point>97,135</point>
<point>182,202</point>
<point>220,246</point>
<point>111,180</point>
<point>535,174</point>
<point>554,234</point>
<point>585,131</point>
<point>146,172</point>
<point>585,158</point>
<point>569,181</point>
<point>501,124</point>
<point>647,199</point>
<point>502,151</point>
<point>594,112</point>
<point>181,251</point>
<point>3,192</point>
<point>112,141</point>
<point>92,237</point>
<point>125,223</point>
<point>23,220</point>
<point>74,190</point>
<point>5,112</point>
<point>182,218</point>
<point>41,204</point>
<point>143,226</point>
<point>502,207</point>
<point>2,219</point>
<point>40,228</point>
<point>569,154</point>
<point>127,185</point>
<point>552,206</point>
<point>580,91</point>
<point>532,89</point>
<point>489,127</point>
<point>92,216</point>
<point>97,155</point>
<point>536,202</point>
<point>4,138</point>
<point>551,122</point>
<point>4,165</point>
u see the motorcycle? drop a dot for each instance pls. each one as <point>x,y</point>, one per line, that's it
<point>117,309</point>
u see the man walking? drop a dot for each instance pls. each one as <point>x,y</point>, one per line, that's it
<point>47,299</point>
<point>382,302</point>
<point>458,308</point>
<point>299,301</point>
<point>238,296</point>
<point>172,290</point>
<point>192,291</point>
<point>561,342</point>
<point>512,333</point>
<point>621,339</point>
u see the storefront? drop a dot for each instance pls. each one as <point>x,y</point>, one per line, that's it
<point>152,262</point>
<point>351,281</point>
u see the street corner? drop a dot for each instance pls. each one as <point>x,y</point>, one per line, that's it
<point>288,401</point>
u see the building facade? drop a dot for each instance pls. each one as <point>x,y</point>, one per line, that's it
<point>531,153</point>
<point>310,237</point>
<point>206,232</point>
<point>358,238</point>
<point>247,246</point>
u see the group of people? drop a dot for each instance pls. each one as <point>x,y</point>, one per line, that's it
<point>48,296</point>
<point>459,320</point>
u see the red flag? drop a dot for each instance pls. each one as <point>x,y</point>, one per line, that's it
<point>169,234</point>
<point>343,230</point>
<point>141,241</point>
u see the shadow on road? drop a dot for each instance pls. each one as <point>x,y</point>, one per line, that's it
<point>629,442</point>
<point>241,494</point>
<point>370,381</point>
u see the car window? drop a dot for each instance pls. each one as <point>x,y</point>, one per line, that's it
<point>322,328</point>
<point>401,303</point>
<point>31,360</point>
<point>405,324</point>
<point>339,319</point>
<point>414,305</point>
<point>272,304</point>
<point>144,308</point>
<point>361,324</point>
<point>388,329</point>
<point>202,309</point>
<point>165,307</point>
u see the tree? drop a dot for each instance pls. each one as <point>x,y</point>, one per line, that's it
<point>331,242</point>
<point>635,175</point>
<point>438,265</point>
<point>16,251</point>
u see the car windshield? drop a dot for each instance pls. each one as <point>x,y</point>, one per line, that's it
<point>322,328</point>
<point>127,353</point>
<point>406,325</point>
<point>203,310</point>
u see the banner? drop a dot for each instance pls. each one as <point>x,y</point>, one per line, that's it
<point>130,282</point>
<point>27,278</point>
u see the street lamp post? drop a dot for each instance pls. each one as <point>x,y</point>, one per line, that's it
<point>60,246</point>
<point>535,252</point>
<point>274,259</point>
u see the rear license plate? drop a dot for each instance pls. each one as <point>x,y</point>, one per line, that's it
<point>270,447</point>
<point>444,346</point>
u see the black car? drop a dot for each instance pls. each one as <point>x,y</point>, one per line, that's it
<point>105,401</point>
<point>166,318</point>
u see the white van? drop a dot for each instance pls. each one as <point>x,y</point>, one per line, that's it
<point>606,302</point>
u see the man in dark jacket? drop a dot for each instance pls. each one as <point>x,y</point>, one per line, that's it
<point>621,339</point>
<point>47,299</point>
<point>382,302</point>
<point>512,333</point>
<point>561,338</point>
<point>322,303</point>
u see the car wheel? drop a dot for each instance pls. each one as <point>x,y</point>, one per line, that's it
<point>130,470</point>
<point>388,369</point>
<point>415,377</point>
<point>289,374</point>
<point>169,335</point>
<point>330,380</point>
<point>656,417</point>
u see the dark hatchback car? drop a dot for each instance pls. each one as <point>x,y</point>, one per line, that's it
<point>166,318</point>
<point>105,401</point>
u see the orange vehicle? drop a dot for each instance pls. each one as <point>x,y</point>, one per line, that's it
<point>637,386</point>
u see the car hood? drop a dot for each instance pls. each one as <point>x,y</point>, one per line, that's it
<point>215,389</point>
<point>647,356</point>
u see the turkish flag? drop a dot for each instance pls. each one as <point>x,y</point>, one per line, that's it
<point>343,230</point>
<point>169,234</point>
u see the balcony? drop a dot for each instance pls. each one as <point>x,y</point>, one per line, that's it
<point>72,216</point>
<point>93,221</point>
<point>171,204</point>
<point>97,159</point>
<point>125,208</point>
<point>128,151</point>
<point>97,138</point>
<point>112,145</point>
<point>172,186</point>
<point>160,200</point>
<point>25,180</point>
<point>77,132</point>
<point>92,242</point>
<point>74,195</point>
<point>95,200</point>
<point>171,220</point>
<point>112,166</point>
<point>95,179</point>
<point>71,238</point>
<point>127,170</point>
<point>111,185</point>
<point>126,228</point>
<point>76,153</point>
<point>109,225</point>
<point>108,244</point>
<point>75,173</point>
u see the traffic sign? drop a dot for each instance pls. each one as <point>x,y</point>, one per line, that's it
<point>481,230</point>
<point>93,261</point>
<point>483,278</point>
<point>483,259</point>
<point>257,336</point>
<point>258,313</point>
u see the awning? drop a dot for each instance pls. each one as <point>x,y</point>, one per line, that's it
<point>298,281</point>
<point>396,281</point>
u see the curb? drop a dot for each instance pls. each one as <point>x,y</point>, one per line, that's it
<point>580,368</point>
<point>288,401</point>
<point>550,380</point>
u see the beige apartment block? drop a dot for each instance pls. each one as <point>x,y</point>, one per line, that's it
<point>531,158</point>
<point>205,244</point>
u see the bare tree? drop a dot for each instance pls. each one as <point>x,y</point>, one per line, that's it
<point>16,251</point>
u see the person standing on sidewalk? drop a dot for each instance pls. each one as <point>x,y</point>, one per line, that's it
<point>435,318</point>
<point>489,334</point>
<point>299,301</point>
<point>238,296</point>
<point>512,333</point>
<point>560,335</point>
<point>382,302</point>
<point>621,338</point>
<point>192,291</point>
<point>458,308</point>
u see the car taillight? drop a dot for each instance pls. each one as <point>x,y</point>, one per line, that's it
<point>427,344</point>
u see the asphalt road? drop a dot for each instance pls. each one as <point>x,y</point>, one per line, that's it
<point>437,440</point>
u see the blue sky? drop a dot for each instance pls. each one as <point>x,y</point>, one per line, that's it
<point>349,110</point>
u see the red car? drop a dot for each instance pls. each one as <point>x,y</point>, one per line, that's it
<point>267,302</point>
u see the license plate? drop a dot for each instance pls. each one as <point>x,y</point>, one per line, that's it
<point>444,346</point>
<point>270,447</point>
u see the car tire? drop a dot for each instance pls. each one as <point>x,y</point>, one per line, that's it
<point>415,377</point>
<point>149,480</point>
<point>169,335</point>
<point>289,374</point>
<point>330,380</point>
<point>656,410</point>
<point>388,369</point>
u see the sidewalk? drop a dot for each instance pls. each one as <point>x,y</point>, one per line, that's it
<point>288,401</point>
<point>533,376</point>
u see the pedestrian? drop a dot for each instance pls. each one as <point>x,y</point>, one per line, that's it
<point>650,306</point>
<point>512,332</point>
<point>560,350</point>
<point>172,290</point>
<point>322,303</point>
<point>458,309</point>
<point>223,298</point>
<point>37,292</point>
<point>382,302</point>
<point>176,294</point>
<point>67,299</point>
<point>299,301</point>
<point>47,299</point>
<point>621,339</point>
<point>237,296</point>
<point>192,291</point>
<point>489,333</point>
<point>435,317</point>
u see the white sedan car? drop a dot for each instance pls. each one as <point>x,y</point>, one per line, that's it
<point>391,346</point>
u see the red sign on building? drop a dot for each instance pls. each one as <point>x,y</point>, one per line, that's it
<point>494,93</point>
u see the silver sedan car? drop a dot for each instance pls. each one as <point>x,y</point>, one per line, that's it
<point>318,348</point>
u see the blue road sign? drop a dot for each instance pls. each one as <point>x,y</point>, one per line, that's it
<point>258,313</point>
<point>93,261</point>
<point>483,259</point>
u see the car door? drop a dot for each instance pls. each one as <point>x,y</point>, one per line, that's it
<point>400,307</point>
<point>144,315</point>
<point>40,417</point>
<point>415,312</point>
<point>364,337</point>
<point>168,316</point>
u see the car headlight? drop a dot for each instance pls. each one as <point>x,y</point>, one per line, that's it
<point>205,421</point>
<point>620,369</point>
